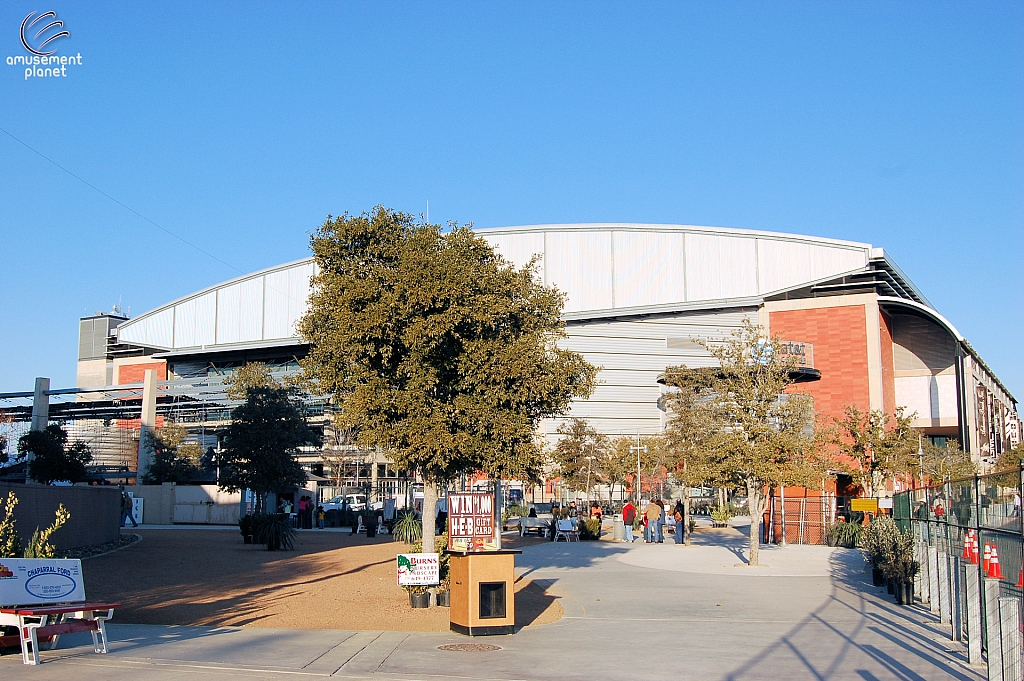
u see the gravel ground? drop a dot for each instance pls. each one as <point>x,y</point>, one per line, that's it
<point>330,581</point>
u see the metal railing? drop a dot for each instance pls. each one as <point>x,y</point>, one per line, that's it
<point>982,610</point>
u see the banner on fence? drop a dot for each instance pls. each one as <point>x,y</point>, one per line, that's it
<point>864,505</point>
<point>32,581</point>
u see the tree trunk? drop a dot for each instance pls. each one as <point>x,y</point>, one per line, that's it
<point>429,525</point>
<point>429,515</point>
<point>686,513</point>
<point>754,506</point>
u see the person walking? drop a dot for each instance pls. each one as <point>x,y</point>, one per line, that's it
<point>652,513</point>
<point>320,517</point>
<point>661,521</point>
<point>679,515</point>
<point>126,509</point>
<point>628,516</point>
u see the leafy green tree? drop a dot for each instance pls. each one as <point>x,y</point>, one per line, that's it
<point>262,442</point>
<point>249,375</point>
<point>1010,458</point>
<point>580,456</point>
<point>947,462</point>
<point>752,430</point>
<point>175,459</point>
<point>53,459</point>
<point>435,349</point>
<point>875,445</point>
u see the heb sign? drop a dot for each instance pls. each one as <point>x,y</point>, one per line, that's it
<point>470,520</point>
<point>34,581</point>
<point>418,569</point>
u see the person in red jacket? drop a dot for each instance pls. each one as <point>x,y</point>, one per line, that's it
<point>628,516</point>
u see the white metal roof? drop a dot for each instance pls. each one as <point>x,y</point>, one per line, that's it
<point>600,268</point>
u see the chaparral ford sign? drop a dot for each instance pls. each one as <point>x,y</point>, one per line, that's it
<point>32,581</point>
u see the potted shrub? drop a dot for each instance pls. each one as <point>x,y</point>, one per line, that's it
<point>721,516</point>
<point>274,530</point>
<point>419,597</point>
<point>903,568</point>
<point>245,527</point>
<point>444,593</point>
<point>875,538</point>
<point>407,528</point>
<point>844,534</point>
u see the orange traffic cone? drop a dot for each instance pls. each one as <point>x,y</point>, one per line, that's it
<point>986,558</point>
<point>994,570</point>
<point>976,549</point>
<point>1020,579</point>
<point>967,547</point>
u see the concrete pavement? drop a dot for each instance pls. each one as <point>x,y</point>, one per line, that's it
<point>630,612</point>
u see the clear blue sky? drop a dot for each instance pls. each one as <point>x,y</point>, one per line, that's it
<point>241,126</point>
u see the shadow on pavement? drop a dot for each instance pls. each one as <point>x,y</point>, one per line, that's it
<point>845,623</point>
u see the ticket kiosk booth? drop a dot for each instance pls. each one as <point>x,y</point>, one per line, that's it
<point>481,574</point>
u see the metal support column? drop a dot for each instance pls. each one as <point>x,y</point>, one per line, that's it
<point>147,423</point>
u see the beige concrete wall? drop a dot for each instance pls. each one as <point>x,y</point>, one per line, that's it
<point>95,513</point>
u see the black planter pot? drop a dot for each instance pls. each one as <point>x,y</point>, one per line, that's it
<point>371,531</point>
<point>420,600</point>
<point>877,578</point>
<point>443,599</point>
<point>247,538</point>
<point>890,586</point>
<point>905,593</point>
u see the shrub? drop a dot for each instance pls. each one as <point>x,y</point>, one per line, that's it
<point>847,535</point>
<point>274,530</point>
<point>245,524</point>
<point>589,528</point>
<point>408,528</point>
<point>721,515</point>
<point>877,538</point>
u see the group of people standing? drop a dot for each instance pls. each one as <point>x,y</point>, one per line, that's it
<point>654,518</point>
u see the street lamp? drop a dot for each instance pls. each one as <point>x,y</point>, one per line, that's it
<point>638,449</point>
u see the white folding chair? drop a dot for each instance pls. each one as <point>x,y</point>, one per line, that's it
<point>566,530</point>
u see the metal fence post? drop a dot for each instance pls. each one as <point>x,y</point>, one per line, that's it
<point>955,588</point>
<point>1009,627</point>
<point>933,579</point>
<point>973,614</point>
<point>993,639</point>
<point>942,577</point>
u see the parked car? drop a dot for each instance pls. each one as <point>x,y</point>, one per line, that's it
<point>356,502</point>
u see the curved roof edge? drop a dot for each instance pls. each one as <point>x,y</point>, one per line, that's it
<point>218,285</point>
<point>654,227</point>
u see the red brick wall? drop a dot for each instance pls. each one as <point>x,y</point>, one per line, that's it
<point>135,373</point>
<point>839,335</point>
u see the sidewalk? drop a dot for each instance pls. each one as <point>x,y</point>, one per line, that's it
<point>686,625</point>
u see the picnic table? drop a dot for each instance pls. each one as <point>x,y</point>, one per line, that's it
<point>51,607</point>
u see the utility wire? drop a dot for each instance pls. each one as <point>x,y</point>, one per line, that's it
<point>127,208</point>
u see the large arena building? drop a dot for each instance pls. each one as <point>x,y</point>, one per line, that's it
<point>638,297</point>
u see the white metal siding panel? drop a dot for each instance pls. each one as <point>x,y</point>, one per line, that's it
<point>275,306</point>
<point>298,294</point>
<point>720,267</point>
<point>229,303</point>
<point>194,321</point>
<point>155,330</point>
<point>783,264</point>
<point>580,265</point>
<point>250,314</point>
<point>519,248</point>
<point>648,268</point>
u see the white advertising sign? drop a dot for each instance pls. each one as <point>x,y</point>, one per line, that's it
<point>33,581</point>
<point>418,569</point>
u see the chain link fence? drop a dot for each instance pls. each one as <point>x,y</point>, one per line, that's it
<point>963,529</point>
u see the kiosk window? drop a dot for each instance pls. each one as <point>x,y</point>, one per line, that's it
<point>492,600</point>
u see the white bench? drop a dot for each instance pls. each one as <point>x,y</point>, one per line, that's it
<point>45,599</point>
